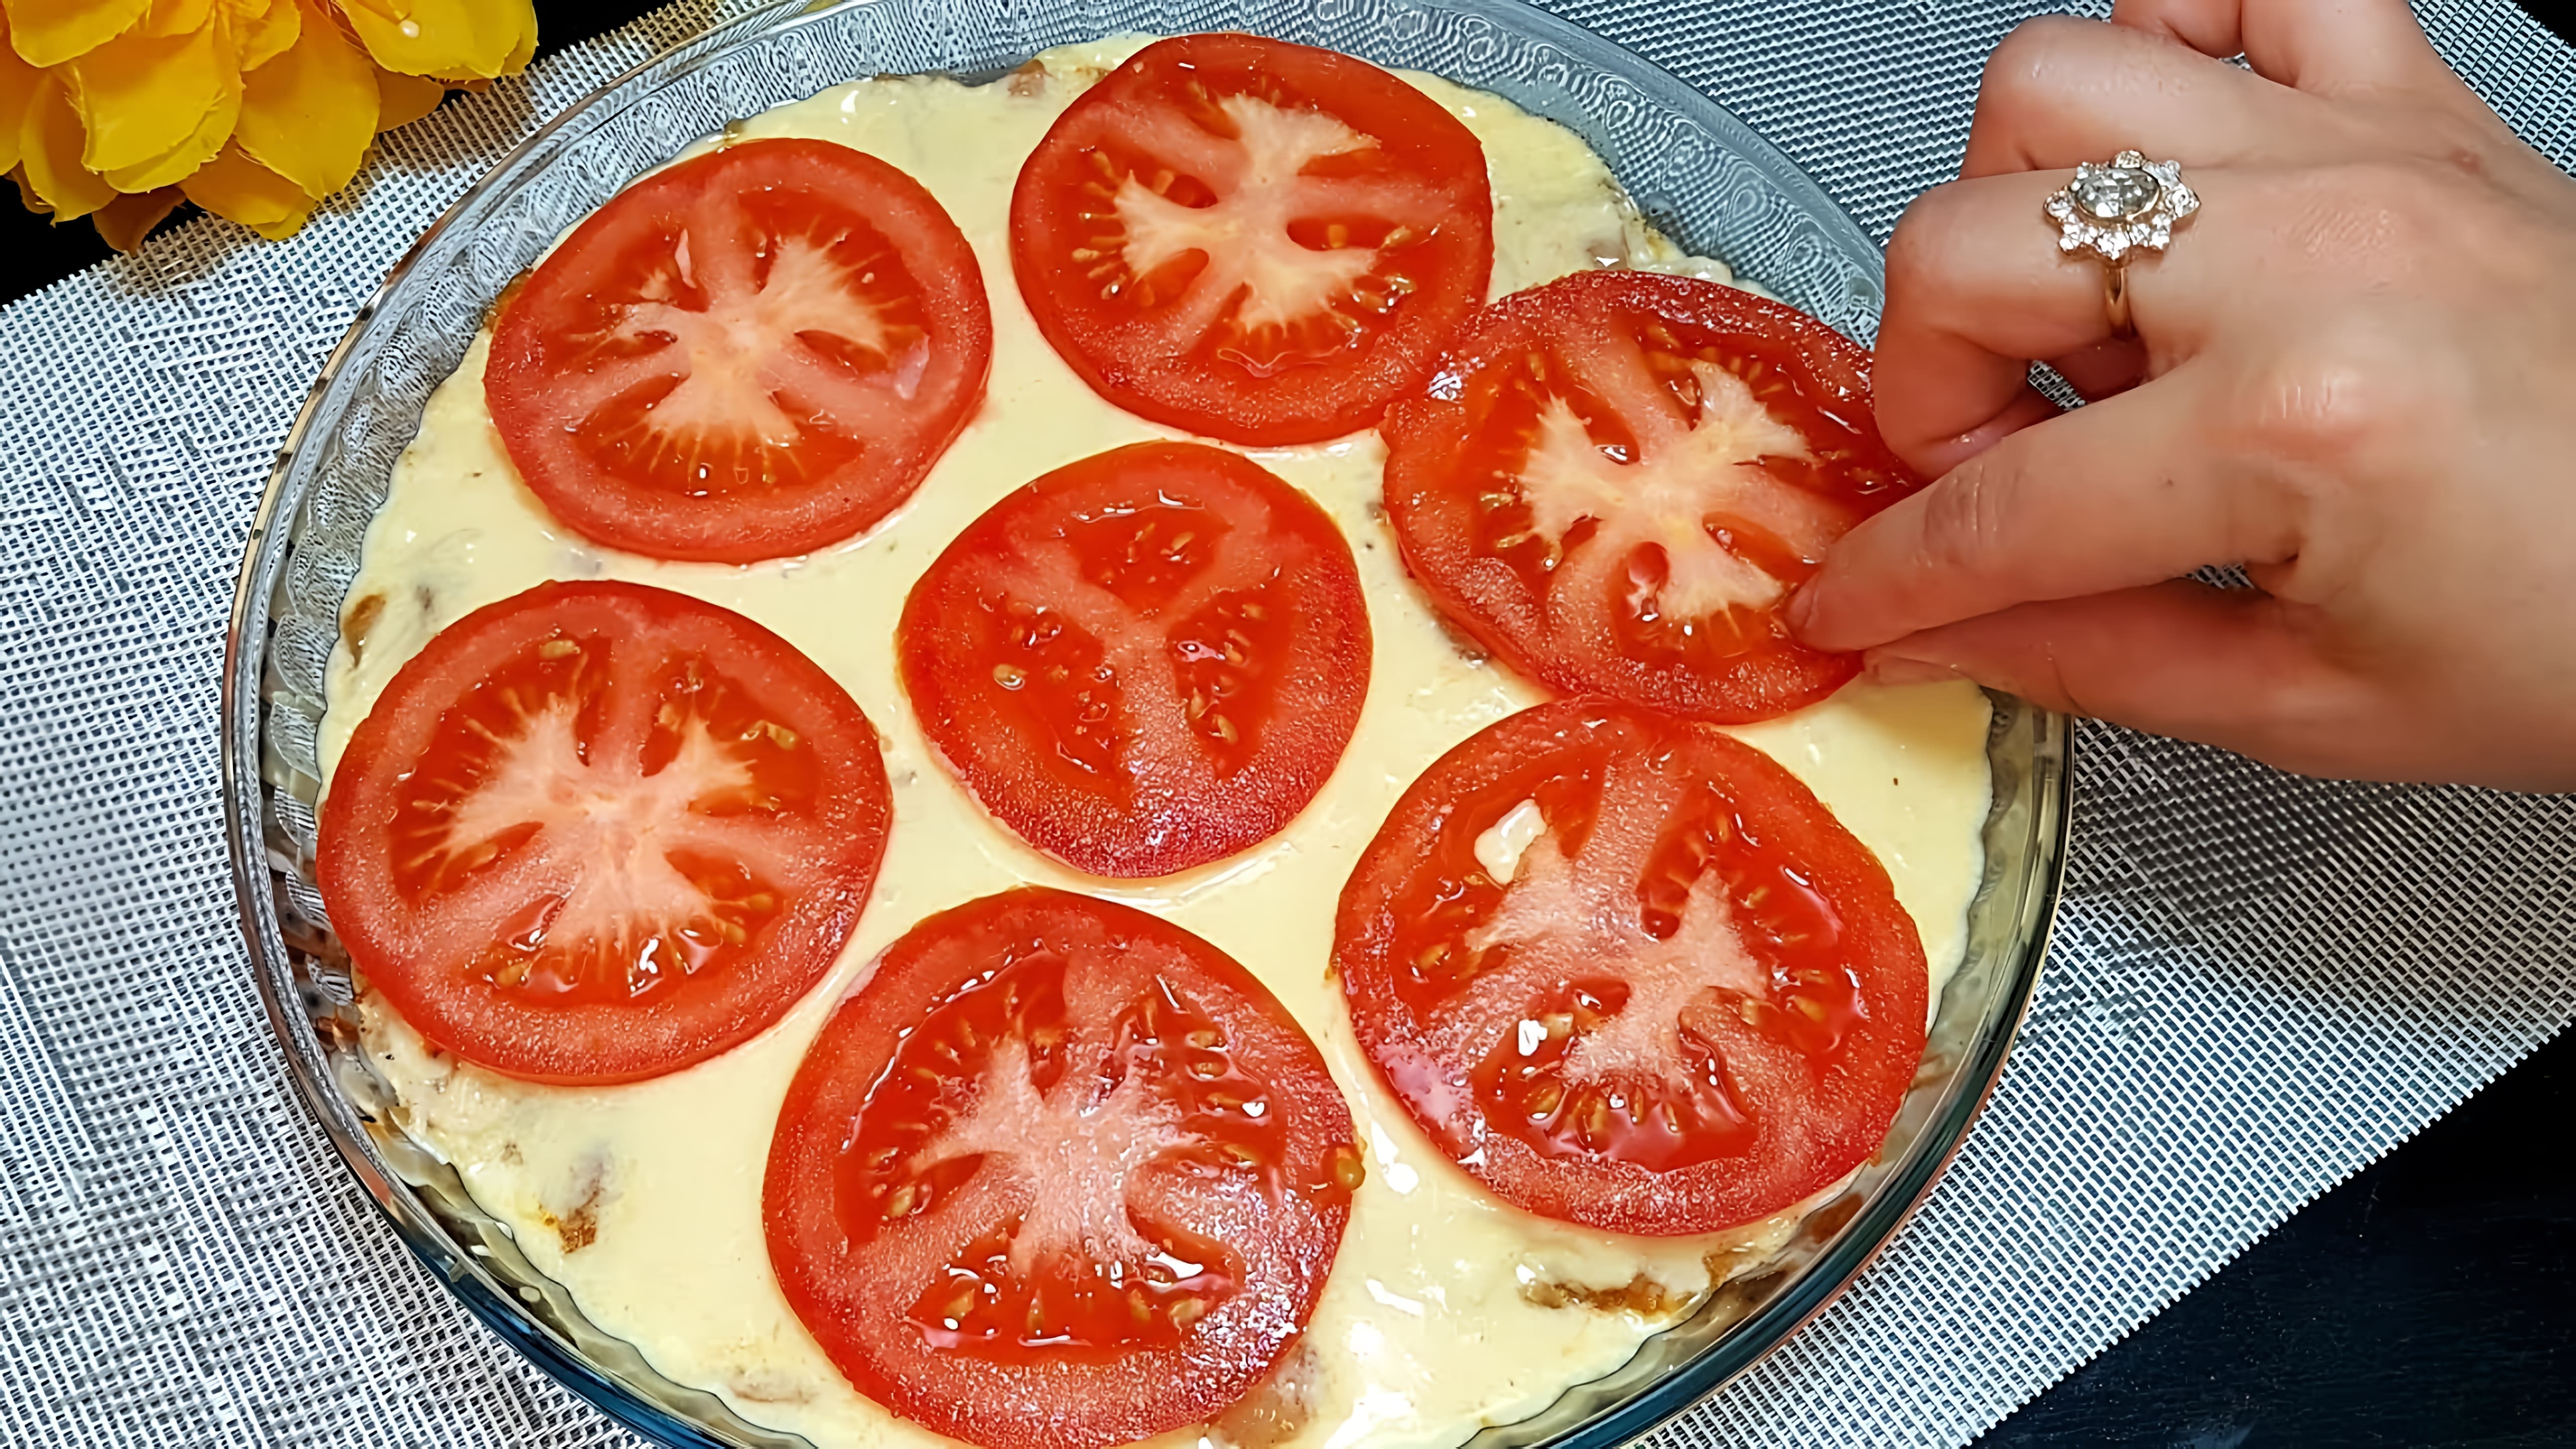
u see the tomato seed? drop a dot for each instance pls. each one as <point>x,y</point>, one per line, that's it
<point>1348,1170</point>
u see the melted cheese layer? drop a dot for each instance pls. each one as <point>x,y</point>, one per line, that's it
<point>1447,1309</point>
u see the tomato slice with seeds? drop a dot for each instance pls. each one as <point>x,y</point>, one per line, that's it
<point>1143,661</point>
<point>1630,973</point>
<point>1060,1174</point>
<point>598,832</point>
<point>753,353</point>
<point>1258,241</point>
<point>1616,479</point>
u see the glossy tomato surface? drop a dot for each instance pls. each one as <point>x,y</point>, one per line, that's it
<point>1059,1175</point>
<point>1143,661</point>
<point>1630,973</point>
<point>752,353</point>
<point>597,832</point>
<point>1257,241</point>
<point>1615,481</point>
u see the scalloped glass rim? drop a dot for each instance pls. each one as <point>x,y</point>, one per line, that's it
<point>1699,173</point>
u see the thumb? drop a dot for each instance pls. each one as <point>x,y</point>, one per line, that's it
<point>2235,668</point>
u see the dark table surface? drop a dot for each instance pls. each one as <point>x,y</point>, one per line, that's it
<point>2428,1301</point>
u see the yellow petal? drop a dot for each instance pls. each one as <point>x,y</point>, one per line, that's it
<point>27,194</point>
<point>49,32</point>
<point>49,141</point>
<point>140,95</point>
<point>127,220</point>
<point>523,24</point>
<point>17,87</point>
<point>266,28</point>
<point>436,37</point>
<point>196,150</point>
<point>235,187</point>
<point>175,17</point>
<point>402,99</point>
<point>310,114</point>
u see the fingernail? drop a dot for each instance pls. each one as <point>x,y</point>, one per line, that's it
<point>1801,611</point>
<point>1890,669</point>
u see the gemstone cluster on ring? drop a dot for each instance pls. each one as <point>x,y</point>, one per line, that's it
<point>2128,202</point>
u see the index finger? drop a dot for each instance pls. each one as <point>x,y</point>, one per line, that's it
<point>2109,496</point>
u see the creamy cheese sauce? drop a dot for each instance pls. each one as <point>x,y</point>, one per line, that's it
<point>1447,1309</point>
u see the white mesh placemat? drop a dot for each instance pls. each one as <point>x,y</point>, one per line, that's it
<point>2260,984</point>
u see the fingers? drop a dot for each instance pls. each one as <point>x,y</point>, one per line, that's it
<point>2110,496</point>
<point>2228,667</point>
<point>2321,46</point>
<point>1977,286</point>
<point>2104,368</point>
<point>2059,90</point>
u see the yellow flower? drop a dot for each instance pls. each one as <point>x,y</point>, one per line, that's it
<point>256,110</point>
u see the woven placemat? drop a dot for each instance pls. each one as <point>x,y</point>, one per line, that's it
<point>2260,983</point>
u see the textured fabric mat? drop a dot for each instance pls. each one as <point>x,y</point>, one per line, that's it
<point>2260,983</point>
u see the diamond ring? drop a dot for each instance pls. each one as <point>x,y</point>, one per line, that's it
<point>2111,209</point>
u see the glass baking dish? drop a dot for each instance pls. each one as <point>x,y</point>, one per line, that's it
<point>1703,177</point>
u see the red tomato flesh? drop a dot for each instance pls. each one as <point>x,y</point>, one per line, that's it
<point>1143,661</point>
<point>1060,1174</point>
<point>756,352</point>
<point>1691,1001</point>
<point>1257,241</point>
<point>598,832</point>
<point>1615,481</point>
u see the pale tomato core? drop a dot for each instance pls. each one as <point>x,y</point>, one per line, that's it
<point>760,368</point>
<point>589,850</point>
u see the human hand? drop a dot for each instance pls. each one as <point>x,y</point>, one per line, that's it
<point>2354,373</point>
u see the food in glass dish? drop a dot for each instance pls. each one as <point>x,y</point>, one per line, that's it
<point>1630,973</point>
<point>1262,242</point>
<point>597,832</point>
<point>1447,1305</point>
<point>1059,1173</point>
<point>1144,661</point>
<point>1617,478</point>
<point>757,352</point>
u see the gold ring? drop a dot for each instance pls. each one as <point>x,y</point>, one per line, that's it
<point>2112,208</point>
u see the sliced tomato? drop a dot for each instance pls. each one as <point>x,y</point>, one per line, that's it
<point>1143,661</point>
<point>1258,241</point>
<point>755,352</point>
<point>1060,1174</point>
<point>598,832</point>
<point>1615,481</point>
<point>1630,973</point>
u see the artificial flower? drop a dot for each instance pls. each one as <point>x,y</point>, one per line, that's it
<point>256,110</point>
